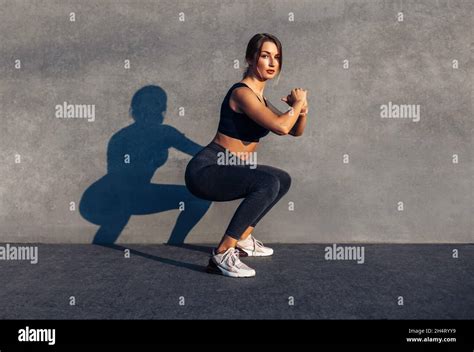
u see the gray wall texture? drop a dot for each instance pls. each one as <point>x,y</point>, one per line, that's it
<point>360,174</point>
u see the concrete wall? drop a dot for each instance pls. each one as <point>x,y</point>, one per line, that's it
<point>357,176</point>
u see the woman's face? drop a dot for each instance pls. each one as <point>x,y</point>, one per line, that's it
<point>268,60</point>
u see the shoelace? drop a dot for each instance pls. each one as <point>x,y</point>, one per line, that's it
<point>232,257</point>
<point>256,244</point>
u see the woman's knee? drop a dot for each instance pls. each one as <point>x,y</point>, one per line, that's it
<point>269,185</point>
<point>285,180</point>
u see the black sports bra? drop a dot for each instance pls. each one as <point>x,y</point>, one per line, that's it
<point>239,125</point>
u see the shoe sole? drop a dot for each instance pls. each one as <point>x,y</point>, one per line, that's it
<point>212,268</point>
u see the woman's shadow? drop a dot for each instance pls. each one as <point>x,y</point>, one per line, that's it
<point>133,155</point>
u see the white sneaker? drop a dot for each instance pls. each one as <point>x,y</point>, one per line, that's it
<point>229,264</point>
<point>254,248</point>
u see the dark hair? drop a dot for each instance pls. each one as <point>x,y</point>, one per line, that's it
<point>254,48</point>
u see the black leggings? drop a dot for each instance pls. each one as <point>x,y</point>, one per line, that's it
<point>262,187</point>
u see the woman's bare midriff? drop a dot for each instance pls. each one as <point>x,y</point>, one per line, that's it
<point>235,145</point>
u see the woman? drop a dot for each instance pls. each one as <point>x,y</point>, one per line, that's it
<point>246,116</point>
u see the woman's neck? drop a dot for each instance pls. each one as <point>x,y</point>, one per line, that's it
<point>256,85</point>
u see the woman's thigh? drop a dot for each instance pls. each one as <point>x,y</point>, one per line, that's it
<point>283,176</point>
<point>229,182</point>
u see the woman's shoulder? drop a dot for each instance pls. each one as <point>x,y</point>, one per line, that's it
<point>237,85</point>
<point>236,88</point>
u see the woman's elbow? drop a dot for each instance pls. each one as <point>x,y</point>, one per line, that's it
<point>281,131</point>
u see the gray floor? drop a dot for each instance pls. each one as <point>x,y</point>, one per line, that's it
<point>149,284</point>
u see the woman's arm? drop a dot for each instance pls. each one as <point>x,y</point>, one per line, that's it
<point>273,108</point>
<point>300,124</point>
<point>298,128</point>
<point>277,122</point>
